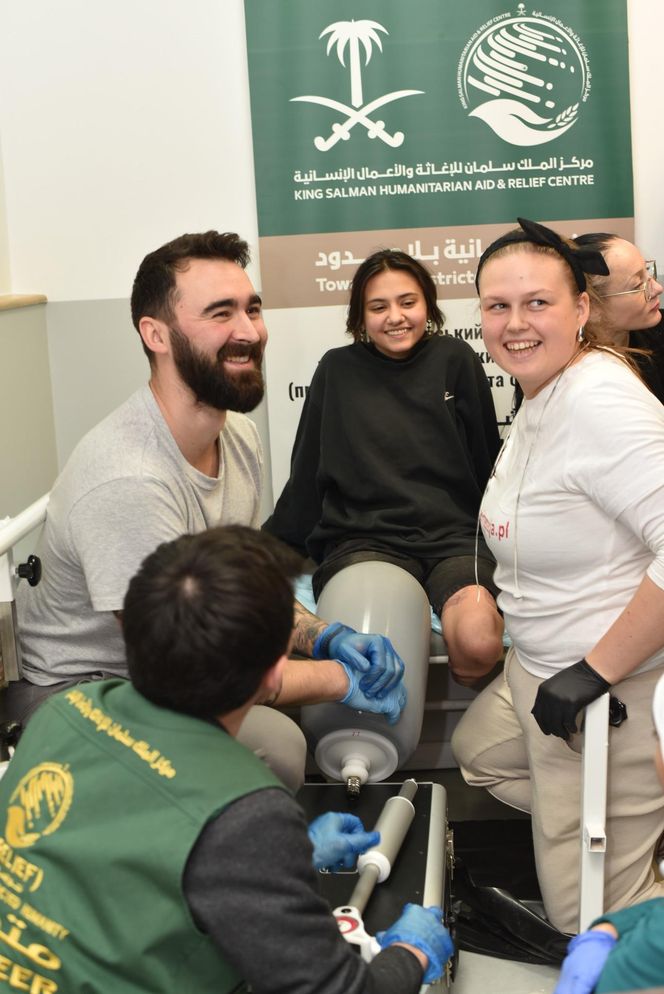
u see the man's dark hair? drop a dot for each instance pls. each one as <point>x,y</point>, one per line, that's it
<point>154,292</point>
<point>381,262</point>
<point>206,616</point>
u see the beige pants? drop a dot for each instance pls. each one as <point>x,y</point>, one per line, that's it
<point>499,745</point>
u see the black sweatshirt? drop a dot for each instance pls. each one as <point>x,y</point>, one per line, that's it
<point>395,450</point>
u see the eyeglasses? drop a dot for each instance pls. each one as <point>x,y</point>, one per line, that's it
<point>647,288</point>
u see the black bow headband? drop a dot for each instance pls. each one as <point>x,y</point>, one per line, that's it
<point>580,260</point>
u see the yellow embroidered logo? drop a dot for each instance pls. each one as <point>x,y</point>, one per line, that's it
<point>39,804</point>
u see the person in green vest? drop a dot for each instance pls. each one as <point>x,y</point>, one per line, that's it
<point>144,849</point>
<point>622,951</point>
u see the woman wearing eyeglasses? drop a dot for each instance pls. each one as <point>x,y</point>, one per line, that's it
<point>628,308</point>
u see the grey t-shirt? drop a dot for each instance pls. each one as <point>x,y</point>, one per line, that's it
<point>125,489</point>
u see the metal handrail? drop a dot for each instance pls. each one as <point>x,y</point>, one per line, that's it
<point>12,530</point>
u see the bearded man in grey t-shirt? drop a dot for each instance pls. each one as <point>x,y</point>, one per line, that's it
<point>179,456</point>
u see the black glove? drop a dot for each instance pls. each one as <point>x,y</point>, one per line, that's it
<point>561,697</point>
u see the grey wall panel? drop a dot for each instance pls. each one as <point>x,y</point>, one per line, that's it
<point>28,462</point>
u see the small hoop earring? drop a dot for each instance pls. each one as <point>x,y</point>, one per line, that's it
<point>581,333</point>
<point>429,328</point>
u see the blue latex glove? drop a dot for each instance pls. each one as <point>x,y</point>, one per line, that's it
<point>424,929</point>
<point>586,955</point>
<point>391,704</point>
<point>373,656</point>
<point>338,839</point>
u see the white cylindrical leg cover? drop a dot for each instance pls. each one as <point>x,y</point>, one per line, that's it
<point>384,599</point>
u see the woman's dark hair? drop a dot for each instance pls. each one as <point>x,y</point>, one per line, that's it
<point>206,616</point>
<point>383,261</point>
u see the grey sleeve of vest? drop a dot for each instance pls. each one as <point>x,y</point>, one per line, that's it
<point>251,886</point>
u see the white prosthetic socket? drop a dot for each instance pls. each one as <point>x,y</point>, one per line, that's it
<point>357,747</point>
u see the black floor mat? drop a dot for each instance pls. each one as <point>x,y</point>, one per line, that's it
<point>495,900</point>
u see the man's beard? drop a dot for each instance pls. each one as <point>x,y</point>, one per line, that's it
<point>208,380</point>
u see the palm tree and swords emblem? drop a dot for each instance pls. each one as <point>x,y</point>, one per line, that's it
<point>356,35</point>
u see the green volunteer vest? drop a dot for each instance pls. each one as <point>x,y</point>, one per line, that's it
<point>104,800</point>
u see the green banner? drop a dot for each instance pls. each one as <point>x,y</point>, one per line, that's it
<point>384,114</point>
<point>426,125</point>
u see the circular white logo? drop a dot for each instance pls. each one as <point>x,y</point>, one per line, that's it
<point>525,77</point>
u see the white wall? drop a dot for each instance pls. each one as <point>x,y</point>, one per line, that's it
<point>124,124</point>
<point>27,449</point>
<point>646,67</point>
<point>121,126</point>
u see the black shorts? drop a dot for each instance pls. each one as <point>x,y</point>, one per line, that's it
<point>440,577</point>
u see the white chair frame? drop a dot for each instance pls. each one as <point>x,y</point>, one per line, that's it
<point>12,530</point>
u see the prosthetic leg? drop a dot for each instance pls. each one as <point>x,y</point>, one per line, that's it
<point>375,866</point>
<point>357,747</point>
<point>411,863</point>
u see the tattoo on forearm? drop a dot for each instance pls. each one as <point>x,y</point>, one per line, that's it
<point>306,629</point>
